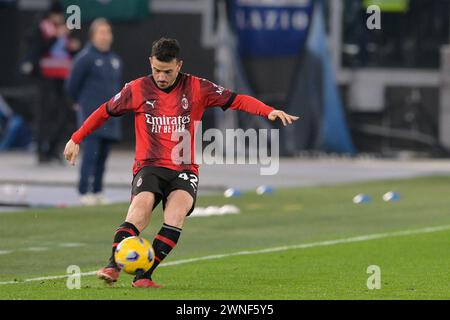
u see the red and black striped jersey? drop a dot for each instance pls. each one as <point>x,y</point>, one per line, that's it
<point>163,118</point>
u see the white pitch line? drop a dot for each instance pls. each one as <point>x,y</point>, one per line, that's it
<point>68,245</point>
<point>71,244</point>
<point>270,250</point>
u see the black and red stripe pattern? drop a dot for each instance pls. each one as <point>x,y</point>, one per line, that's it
<point>164,242</point>
<point>124,231</point>
<point>159,114</point>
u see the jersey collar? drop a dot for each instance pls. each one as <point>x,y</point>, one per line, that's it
<point>168,89</point>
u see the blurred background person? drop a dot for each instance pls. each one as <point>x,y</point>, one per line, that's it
<point>48,60</point>
<point>96,76</point>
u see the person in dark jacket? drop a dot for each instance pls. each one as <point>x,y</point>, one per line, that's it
<point>95,77</point>
<point>48,59</point>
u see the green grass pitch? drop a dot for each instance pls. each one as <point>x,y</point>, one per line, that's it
<point>41,243</point>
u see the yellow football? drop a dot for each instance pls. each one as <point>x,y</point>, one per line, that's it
<point>134,254</point>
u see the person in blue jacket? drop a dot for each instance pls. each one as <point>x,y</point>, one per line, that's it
<point>96,76</point>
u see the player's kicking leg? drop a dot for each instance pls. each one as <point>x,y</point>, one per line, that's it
<point>138,217</point>
<point>179,204</point>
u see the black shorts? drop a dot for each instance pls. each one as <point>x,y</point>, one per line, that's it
<point>162,181</point>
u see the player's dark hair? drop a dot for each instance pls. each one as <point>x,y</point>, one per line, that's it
<point>166,49</point>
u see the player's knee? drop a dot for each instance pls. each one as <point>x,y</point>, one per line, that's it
<point>143,201</point>
<point>140,210</point>
<point>139,218</point>
<point>175,216</point>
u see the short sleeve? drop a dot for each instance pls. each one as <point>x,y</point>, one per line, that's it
<point>122,102</point>
<point>214,95</point>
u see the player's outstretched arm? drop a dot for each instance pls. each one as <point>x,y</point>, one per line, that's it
<point>254,106</point>
<point>283,116</point>
<point>71,151</point>
<point>92,123</point>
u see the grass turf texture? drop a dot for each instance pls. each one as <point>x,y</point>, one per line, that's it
<point>412,267</point>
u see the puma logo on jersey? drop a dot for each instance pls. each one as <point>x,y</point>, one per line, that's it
<point>152,103</point>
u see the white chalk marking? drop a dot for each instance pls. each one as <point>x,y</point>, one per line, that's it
<point>368,237</point>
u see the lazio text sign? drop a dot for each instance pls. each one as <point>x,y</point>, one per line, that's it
<point>271,27</point>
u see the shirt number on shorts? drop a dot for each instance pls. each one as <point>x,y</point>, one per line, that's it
<point>191,177</point>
